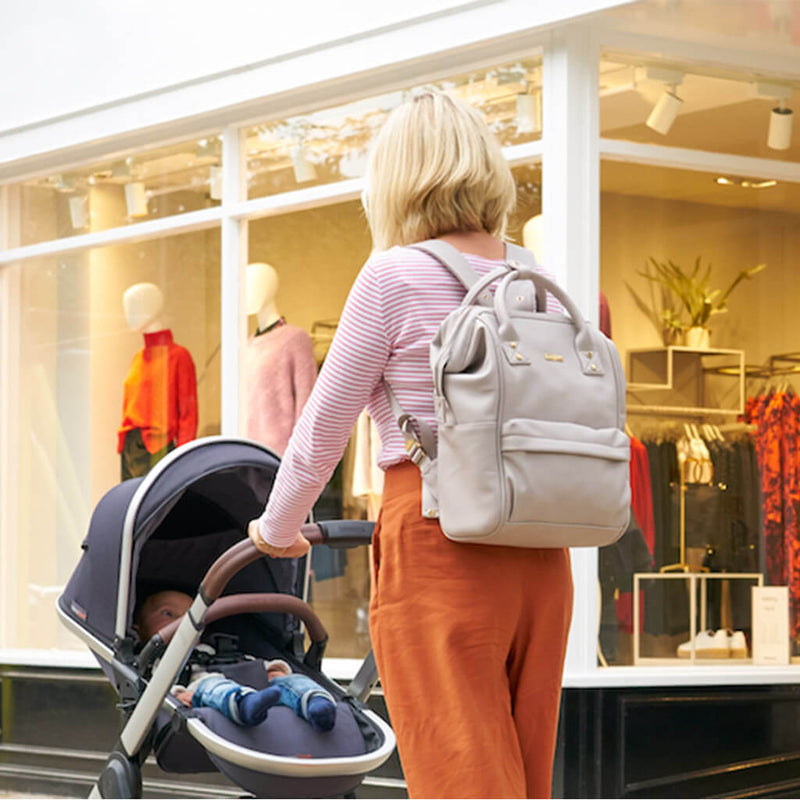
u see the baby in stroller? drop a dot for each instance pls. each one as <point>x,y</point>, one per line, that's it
<point>243,705</point>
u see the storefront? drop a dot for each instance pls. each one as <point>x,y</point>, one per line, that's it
<point>640,136</point>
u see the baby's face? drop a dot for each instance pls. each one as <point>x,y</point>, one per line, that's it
<point>159,610</point>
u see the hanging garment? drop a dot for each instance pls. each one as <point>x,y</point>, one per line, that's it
<point>617,563</point>
<point>642,492</point>
<point>280,372</point>
<point>778,418</point>
<point>160,394</point>
<point>367,475</point>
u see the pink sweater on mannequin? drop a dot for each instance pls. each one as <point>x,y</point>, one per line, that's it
<point>280,373</point>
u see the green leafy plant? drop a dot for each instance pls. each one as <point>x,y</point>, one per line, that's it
<point>686,297</point>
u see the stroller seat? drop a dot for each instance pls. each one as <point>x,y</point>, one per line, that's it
<point>283,733</point>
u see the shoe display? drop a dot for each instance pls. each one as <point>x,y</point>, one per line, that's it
<point>707,644</point>
<point>715,644</point>
<point>737,644</point>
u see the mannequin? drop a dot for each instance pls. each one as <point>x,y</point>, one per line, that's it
<point>280,369</point>
<point>262,291</point>
<point>159,407</point>
<point>143,304</point>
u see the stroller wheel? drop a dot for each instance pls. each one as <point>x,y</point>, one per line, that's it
<point>120,778</point>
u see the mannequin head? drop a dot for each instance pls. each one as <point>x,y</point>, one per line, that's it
<point>143,304</point>
<point>262,290</point>
<point>533,237</point>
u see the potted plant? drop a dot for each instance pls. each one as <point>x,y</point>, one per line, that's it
<point>687,301</point>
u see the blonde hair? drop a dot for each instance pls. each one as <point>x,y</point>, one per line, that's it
<point>436,168</point>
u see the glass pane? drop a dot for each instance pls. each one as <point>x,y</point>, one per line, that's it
<point>79,385</point>
<point>117,191</point>
<point>710,413</point>
<point>670,104</point>
<point>309,285</point>
<point>331,145</point>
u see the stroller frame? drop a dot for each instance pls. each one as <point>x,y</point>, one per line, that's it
<point>174,644</point>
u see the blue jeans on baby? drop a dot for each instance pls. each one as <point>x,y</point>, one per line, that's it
<point>218,692</point>
<point>297,690</point>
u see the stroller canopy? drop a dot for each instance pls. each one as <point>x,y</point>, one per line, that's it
<point>165,529</point>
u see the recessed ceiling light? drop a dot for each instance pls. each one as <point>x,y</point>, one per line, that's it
<point>746,183</point>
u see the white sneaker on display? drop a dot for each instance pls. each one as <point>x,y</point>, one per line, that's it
<point>737,644</point>
<point>707,644</point>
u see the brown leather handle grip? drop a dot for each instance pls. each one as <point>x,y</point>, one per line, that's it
<point>252,603</point>
<point>239,556</point>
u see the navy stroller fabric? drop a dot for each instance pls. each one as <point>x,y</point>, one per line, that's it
<point>172,525</point>
<point>189,515</point>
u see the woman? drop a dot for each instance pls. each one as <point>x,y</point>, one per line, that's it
<point>469,639</point>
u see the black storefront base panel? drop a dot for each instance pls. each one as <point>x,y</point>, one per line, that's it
<point>680,742</point>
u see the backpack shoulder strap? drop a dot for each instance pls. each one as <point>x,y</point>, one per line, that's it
<point>528,260</point>
<point>451,258</point>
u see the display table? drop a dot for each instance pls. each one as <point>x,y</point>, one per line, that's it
<point>693,581</point>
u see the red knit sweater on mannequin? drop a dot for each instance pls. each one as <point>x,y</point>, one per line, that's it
<point>160,395</point>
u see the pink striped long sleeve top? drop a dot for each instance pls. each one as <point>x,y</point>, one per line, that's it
<point>391,315</point>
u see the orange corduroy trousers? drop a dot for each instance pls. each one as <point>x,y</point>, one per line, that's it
<point>469,640</point>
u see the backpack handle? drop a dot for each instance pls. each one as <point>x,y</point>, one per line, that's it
<point>583,338</point>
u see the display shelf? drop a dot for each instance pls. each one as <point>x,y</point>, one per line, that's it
<point>694,579</point>
<point>673,380</point>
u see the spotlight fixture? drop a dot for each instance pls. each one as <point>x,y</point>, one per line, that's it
<point>304,170</point>
<point>779,135</point>
<point>215,183</point>
<point>79,211</point>
<point>669,104</point>
<point>529,113</point>
<point>136,199</point>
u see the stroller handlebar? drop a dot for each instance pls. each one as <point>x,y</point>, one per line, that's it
<point>252,603</point>
<point>334,533</point>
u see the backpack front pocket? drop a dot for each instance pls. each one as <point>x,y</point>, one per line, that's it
<point>559,472</point>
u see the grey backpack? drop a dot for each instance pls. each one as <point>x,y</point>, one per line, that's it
<point>530,408</point>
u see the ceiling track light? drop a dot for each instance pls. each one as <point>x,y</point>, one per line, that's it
<point>79,211</point>
<point>136,199</point>
<point>779,135</point>
<point>215,183</point>
<point>304,170</point>
<point>669,104</point>
<point>529,113</point>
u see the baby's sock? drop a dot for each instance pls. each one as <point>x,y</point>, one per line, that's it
<point>321,713</point>
<point>253,706</point>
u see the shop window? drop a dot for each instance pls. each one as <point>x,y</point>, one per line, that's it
<point>647,101</point>
<point>331,145</point>
<point>715,417</point>
<point>74,327</point>
<point>117,191</point>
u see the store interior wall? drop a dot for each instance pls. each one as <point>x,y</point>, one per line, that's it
<point>317,254</point>
<point>762,315</point>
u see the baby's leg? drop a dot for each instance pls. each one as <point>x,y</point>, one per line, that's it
<point>308,700</point>
<point>240,704</point>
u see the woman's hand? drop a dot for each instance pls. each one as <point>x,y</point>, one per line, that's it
<point>297,549</point>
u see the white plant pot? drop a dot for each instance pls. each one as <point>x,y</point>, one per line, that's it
<point>698,338</point>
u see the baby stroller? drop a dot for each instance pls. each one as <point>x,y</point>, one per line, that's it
<point>183,527</point>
